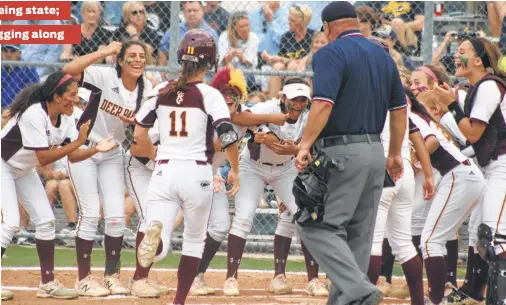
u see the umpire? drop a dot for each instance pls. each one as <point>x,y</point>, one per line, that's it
<point>355,83</point>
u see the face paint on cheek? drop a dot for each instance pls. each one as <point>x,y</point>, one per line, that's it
<point>464,60</point>
<point>129,61</point>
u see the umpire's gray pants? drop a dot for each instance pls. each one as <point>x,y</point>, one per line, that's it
<point>342,242</point>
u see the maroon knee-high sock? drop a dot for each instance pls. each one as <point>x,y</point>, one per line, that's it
<point>312,266</point>
<point>235,250</point>
<point>45,250</point>
<point>452,250</point>
<point>436,276</point>
<point>387,261</point>
<point>210,249</point>
<point>417,240</point>
<point>186,273</point>
<point>469,271</point>
<point>281,250</point>
<point>83,252</point>
<point>480,278</point>
<point>414,277</point>
<point>373,273</point>
<point>112,247</point>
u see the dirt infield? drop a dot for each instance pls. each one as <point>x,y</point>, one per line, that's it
<point>24,283</point>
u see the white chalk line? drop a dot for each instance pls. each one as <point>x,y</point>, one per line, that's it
<point>33,268</point>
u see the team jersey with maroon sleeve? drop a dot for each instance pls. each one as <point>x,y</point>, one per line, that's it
<point>186,121</point>
<point>108,100</point>
<point>23,135</point>
<point>447,156</point>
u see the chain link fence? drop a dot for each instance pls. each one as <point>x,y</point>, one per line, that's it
<point>267,40</point>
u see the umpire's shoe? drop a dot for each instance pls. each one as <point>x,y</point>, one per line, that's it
<point>56,290</point>
<point>372,298</point>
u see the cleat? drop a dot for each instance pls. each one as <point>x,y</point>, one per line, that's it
<point>400,293</point>
<point>113,283</point>
<point>458,297</point>
<point>162,290</point>
<point>200,287</point>
<point>7,295</point>
<point>56,290</point>
<point>279,285</point>
<point>316,288</point>
<point>89,287</point>
<point>384,286</point>
<point>231,287</point>
<point>449,288</point>
<point>143,289</point>
<point>149,244</point>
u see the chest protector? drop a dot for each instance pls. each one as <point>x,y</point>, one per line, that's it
<point>493,141</point>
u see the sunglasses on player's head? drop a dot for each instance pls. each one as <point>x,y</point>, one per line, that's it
<point>138,12</point>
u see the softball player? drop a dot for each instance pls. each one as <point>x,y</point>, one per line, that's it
<point>266,160</point>
<point>458,192</point>
<point>483,123</point>
<point>394,214</point>
<point>187,111</point>
<point>40,121</point>
<point>116,95</point>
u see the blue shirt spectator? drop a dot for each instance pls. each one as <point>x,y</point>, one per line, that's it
<point>271,29</point>
<point>193,12</point>
<point>15,79</point>
<point>113,11</point>
<point>40,52</point>
<point>342,69</point>
<point>316,9</point>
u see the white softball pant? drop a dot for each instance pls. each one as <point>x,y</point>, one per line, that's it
<point>420,206</point>
<point>219,220</point>
<point>100,177</point>
<point>457,194</point>
<point>494,199</point>
<point>187,185</point>
<point>253,176</point>
<point>28,190</point>
<point>394,217</point>
<point>137,178</point>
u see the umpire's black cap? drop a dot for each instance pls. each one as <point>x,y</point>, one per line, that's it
<point>338,10</point>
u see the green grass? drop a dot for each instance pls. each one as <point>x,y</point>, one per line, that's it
<point>20,256</point>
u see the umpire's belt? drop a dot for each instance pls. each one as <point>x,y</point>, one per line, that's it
<point>349,139</point>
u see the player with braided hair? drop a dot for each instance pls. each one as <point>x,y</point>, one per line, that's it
<point>116,95</point>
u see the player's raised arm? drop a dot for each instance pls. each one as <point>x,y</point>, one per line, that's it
<point>78,65</point>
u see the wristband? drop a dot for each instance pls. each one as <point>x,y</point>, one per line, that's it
<point>457,112</point>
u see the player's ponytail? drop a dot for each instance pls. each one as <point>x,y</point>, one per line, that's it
<point>56,84</point>
<point>187,69</point>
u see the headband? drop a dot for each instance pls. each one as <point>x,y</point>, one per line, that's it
<point>429,73</point>
<point>62,81</point>
<point>479,48</point>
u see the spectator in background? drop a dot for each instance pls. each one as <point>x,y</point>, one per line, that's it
<point>368,20</point>
<point>112,12</point>
<point>389,36</point>
<point>133,26</point>
<point>238,46</point>
<point>269,22</point>
<point>497,21</point>
<point>93,36</point>
<point>158,16</point>
<point>216,16</point>
<point>294,45</point>
<point>15,78</point>
<point>255,97</point>
<point>317,8</point>
<point>193,12</point>
<point>40,52</point>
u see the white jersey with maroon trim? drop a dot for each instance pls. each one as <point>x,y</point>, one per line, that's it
<point>186,121</point>
<point>220,156</point>
<point>23,135</point>
<point>291,131</point>
<point>154,136</point>
<point>447,155</point>
<point>108,100</point>
<point>385,138</point>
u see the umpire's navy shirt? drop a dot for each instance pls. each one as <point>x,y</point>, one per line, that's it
<point>360,80</point>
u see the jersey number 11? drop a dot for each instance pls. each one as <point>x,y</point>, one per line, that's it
<point>173,132</point>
